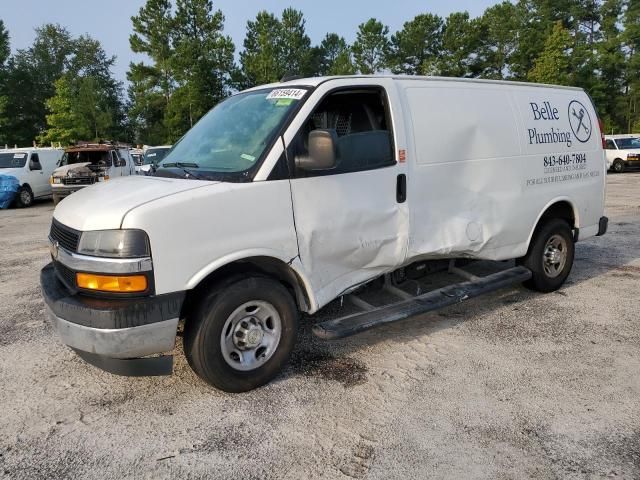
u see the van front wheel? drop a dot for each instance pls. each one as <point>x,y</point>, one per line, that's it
<point>242,334</point>
<point>550,256</point>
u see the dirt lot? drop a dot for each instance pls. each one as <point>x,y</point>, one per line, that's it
<point>512,385</point>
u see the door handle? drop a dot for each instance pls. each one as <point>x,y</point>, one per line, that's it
<point>401,188</point>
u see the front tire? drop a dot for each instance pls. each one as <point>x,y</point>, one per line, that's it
<point>24,198</point>
<point>241,335</point>
<point>618,166</point>
<point>550,256</point>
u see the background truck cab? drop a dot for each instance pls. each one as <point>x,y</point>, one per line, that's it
<point>88,164</point>
<point>32,167</point>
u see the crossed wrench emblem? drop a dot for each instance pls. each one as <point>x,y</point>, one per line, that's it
<point>580,117</point>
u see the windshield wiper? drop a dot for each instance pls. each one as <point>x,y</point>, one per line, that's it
<point>185,167</point>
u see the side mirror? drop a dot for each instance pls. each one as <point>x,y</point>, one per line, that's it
<point>35,165</point>
<point>322,151</point>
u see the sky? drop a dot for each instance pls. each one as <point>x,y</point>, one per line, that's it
<point>110,21</point>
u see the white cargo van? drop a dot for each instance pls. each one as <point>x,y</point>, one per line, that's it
<point>288,196</point>
<point>32,167</point>
<point>622,151</point>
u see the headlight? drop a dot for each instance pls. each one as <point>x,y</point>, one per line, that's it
<point>55,180</point>
<point>115,244</point>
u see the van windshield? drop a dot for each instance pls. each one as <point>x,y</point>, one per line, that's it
<point>155,155</point>
<point>13,160</point>
<point>628,143</point>
<point>230,140</point>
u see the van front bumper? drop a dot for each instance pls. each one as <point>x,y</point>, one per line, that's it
<point>115,333</point>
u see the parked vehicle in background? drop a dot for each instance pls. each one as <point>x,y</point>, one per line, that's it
<point>622,151</point>
<point>287,196</point>
<point>152,156</point>
<point>32,168</point>
<point>137,155</point>
<point>87,164</point>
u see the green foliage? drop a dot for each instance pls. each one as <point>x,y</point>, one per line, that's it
<point>552,65</point>
<point>460,40</point>
<point>371,48</point>
<point>497,40</point>
<point>335,56</point>
<point>415,49</point>
<point>64,120</point>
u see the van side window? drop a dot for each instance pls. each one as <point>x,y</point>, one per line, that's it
<point>610,145</point>
<point>361,121</point>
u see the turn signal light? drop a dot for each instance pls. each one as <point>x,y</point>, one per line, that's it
<point>109,283</point>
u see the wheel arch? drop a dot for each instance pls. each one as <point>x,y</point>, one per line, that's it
<point>561,207</point>
<point>284,272</point>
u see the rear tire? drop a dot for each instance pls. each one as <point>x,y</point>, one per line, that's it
<point>550,256</point>
<point>241,335</point>
<point>24,198</point>
<point>618,166</point>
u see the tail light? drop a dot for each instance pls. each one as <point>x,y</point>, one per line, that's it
<point>601,125</point>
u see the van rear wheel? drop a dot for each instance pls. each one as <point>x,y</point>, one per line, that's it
<point>241,335</point>
<point>550,256</point>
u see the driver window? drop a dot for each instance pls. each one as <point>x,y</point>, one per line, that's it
<point>362,124</point>
<point>610,145</point>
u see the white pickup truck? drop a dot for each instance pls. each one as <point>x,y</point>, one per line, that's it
<point>288,196</point>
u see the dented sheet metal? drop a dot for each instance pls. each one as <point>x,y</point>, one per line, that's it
<point>350,228</point>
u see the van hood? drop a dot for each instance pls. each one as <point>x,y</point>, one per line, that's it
<point>103,206</point>
<point>62,171</point>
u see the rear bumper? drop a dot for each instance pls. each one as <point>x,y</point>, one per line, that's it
<point>113,334</point>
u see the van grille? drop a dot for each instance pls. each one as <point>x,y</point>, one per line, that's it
<point>79,180</point>
<point>65,274</point>
<point>66,237</point>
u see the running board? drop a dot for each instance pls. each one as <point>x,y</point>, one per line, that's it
<point>427,302</point>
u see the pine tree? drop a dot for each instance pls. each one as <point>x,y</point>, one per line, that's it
<point>261,55</point>
<point>553,64</point>
<point>460,42</point>
<point>415,48</point>
<point>371,48</point>
<point>335,56</point>
<point>498,40</point>
<point>631,39</point>
<point>295,44</point>
<point>202,63</point>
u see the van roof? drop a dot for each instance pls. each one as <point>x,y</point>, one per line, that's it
<point>623,135</point>
<point>315,81</point>
<point>30,149</point>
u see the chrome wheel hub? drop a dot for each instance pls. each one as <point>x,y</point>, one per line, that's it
<point>555,256</point>
<point>251,335</point>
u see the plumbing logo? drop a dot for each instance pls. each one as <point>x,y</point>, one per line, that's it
<point>580,121</point>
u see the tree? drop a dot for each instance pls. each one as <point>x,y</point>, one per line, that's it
<point>497,40</point>
<point>631,39</point>
<point>415,48</point>
<point>295,44</point>
<point>64,120</point>
<point>553,64</point>
<point>460,42</point>
<point>202,63</point>
<point>371,47</point>
<point>335,56</point>
<point>261,55</point>
<point>5,51</point>
<point>610,68</point>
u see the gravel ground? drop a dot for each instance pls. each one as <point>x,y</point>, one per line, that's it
<point>510,385</point>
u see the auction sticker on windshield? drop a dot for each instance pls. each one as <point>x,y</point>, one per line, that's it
<point>290,93</point>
